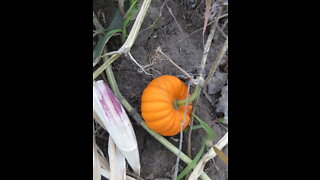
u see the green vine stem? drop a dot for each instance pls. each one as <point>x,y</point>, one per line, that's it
<point>194,95</point>
<point>105,65</point>
<point>113,85</point>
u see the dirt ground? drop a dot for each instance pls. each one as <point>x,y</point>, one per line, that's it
<point>156,161</point>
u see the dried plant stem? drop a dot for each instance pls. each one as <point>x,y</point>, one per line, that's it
<point>125,48</point>
<point>225,15</point>
<point>136,27</point>
<point>141,68</point>
<point>221,31</point>
<point>103,56</point>
<point>157,19</point>
<point>202,65</point>
<point>224,25</point>
<point>96,22</point>
<point>170,11</point>
<point>172,62</point>
<point>208,43</point>
<point>105,65</point>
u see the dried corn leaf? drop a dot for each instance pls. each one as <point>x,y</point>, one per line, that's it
<point>117,162</point>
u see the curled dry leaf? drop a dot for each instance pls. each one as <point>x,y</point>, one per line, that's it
<point>222,105</point>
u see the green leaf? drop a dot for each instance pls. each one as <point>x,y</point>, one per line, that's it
<point>117,21</point>
<point>102,43</point>
<point>133,9</point>
<point>193,163</point>
<point>104,31</point>
<point>206,127</point>
<point>221,120</point>
<point>194,127</point>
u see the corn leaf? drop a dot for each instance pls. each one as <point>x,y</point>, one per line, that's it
<point>194,127</point>
<point>206,127</point>
<point>102,43</point>
<point>117,21</point>
<point>133,9</point>
<point>193,163</point>
<point>117,162</point>
<point>96,163</point>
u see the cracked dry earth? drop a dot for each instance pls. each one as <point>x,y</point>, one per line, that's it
<point>157,162</point>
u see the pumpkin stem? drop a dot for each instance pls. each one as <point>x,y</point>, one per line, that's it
<point>194,95</point>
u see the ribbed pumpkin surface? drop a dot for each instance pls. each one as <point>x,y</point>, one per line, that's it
<point>157,105</point>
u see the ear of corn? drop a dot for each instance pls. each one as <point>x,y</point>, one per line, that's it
<point>110,114</point>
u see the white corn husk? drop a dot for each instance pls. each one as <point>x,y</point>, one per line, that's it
<point>117,160</point>
<point>103,161</point>
<point>110,114</point>
<point>105,168</point>
<point>197,171</point>
<point>96,163</point>
<point>104,165</point>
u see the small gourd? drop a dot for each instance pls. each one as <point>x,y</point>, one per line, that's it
<point>157,105</point>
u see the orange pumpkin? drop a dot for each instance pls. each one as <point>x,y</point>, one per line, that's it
<point>157,105</point>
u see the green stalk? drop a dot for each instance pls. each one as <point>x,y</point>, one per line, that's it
<point>194,95</point>
<point>105,65</point>
<point>113,85</point>
<point>136,27</point>
<point>115,88</point>
<point>125,48</point>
